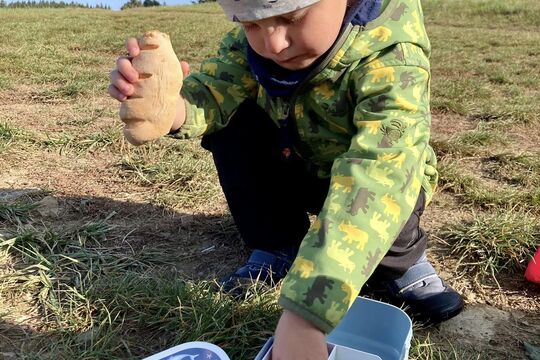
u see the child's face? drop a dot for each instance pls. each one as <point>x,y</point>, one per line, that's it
<point>295,40</point>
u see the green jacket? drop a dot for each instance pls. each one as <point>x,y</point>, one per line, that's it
<point>363,119</point>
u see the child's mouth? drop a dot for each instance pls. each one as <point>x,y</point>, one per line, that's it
<point>291,60</point>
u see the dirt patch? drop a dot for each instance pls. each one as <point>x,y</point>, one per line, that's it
<point>445,125</point>
<point>499,334</point>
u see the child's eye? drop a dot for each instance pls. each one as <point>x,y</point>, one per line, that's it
<point>296,19</point>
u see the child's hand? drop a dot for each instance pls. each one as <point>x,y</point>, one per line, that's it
<point>125,75</point>
<point>298,339</point>
<point>133,84</point>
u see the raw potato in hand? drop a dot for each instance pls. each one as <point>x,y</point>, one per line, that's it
<point>149,113</point>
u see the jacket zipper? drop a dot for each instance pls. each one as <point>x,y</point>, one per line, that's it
<point>288,119</point>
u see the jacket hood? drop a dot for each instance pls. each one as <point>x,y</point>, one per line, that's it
<point>401,21</point>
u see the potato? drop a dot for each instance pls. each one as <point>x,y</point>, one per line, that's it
<point>149,113</point>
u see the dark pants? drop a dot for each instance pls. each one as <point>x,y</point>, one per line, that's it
<point>270,197</point>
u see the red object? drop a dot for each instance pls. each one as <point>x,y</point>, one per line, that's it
<point>533,270</point>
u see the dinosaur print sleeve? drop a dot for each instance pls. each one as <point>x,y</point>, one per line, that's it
<point>374,187</point>
<point>213,94</point>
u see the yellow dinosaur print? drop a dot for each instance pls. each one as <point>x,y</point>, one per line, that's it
<point>236,31</point>
<point>303,267</point>
<point>217,95</point>
<point>236,92</point>
<point>316,226</point>
<point>398,160</point>
<point>380,175</point>
<point>386,73</point>
<point>350,292</point>
<point>380,226</point>
<point>363,47</point>
<point>417,92</point>
<point>392,208</point>
<point>324,91</point>
<point>248,81</point>
<point>210,68</point>
<point>415,185</point>
<point>418,24</point>
<point>381,33</point>
<point>342,182</point>
<point>334,206</point>
<point>299,110</point>
<point>341,256</point>
<point>371,125</point>
<point>407,105</point>
<point>410,199</point>
<point>409,141</point>
<point>413,191</point>
<point>410,29</point>
<point>331,149</point>
<point>333,314</point>
<point>354,234</point>
<point>376,64</point>
<point>211,116</point>
<point>359,141</point>
<point>409,121</point>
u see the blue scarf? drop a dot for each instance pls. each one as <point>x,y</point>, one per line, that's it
<point>278,81</point>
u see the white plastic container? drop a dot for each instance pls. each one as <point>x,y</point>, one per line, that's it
<point>371,330</point>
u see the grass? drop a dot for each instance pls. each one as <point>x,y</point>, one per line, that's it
<point>9,134</point>
<point>490,244</point>
<point>92,285</point>
<point>469,43</point>
<point>97,302</point>
<point>187,180</point>
<point>15,213</point>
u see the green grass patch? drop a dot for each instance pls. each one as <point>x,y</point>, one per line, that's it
<point>107,138</point>
<point>98,302</point>
<point>477,66</point>
<point>487,135</point>
<point>183,171</point>
<point>521,170</point>
<point>9,134</point>
<point>478,138</point>
<point>16,213</point>
<point>472,191</point>
<point>492,243</point>
<point>5,82</point>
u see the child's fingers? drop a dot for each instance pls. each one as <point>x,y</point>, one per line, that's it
<point>185,68</point>
<point>125,67</point>
<point>113,91</point>
<point>121,84</point>
<point>132,46</point>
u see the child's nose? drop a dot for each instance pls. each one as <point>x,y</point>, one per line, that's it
<point>276,40</point>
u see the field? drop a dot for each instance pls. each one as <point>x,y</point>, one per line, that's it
<point>108,251</point>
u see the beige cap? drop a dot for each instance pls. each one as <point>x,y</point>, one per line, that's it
<point>252,10</point>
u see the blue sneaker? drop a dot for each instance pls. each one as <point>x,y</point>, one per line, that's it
<point>427,298</point>
<point>262,266</point>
